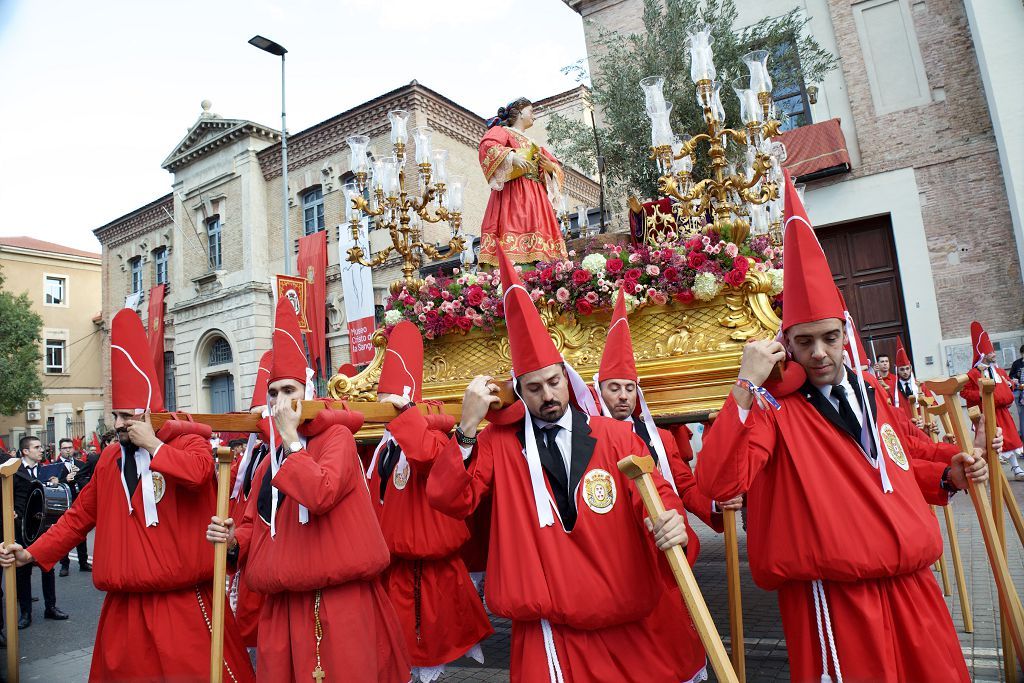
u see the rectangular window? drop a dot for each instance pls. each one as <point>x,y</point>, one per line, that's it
<point>170,391</point>
<point>54,291</point>
<point>160,264</point>
<point>213,238</point>
<point>136,269</point>
<point>55,352</point>
<point>313,211</point>
<point>789,93</point>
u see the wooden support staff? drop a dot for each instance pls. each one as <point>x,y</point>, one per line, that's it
<point>940,564</point>
<point>995,468</point>
<point>7,471</point>
<point>951,533</point>
<point>998,477</point>
<point>949,389</point>
<point>639,470</point>
<point>220,566</point>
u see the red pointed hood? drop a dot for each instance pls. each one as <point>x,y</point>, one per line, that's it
<point>402,373</point>
<point>617,361</point>
<point>530,345</point>
<point>980,342</point>
<point>133,384</point>
<point>289,359</point>
<point>259,391</point>
<point>902,359</point>
<point>807,279</point>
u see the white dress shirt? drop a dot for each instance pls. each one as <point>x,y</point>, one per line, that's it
<point>563,439</point>
<point>826,391</point>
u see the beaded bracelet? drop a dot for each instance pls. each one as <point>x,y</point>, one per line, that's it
<point>760,394</point>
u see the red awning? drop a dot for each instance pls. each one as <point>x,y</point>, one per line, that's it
<point>814,148</point>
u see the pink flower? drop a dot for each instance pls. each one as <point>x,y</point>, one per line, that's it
<point>417,308</point>
<point>653,270</point>
<point>659,298</point>
<point>731,250</point>
<point>634,257</point>
<point>562,295</point>
<point>592,297</point>
<point>422,318</point>
<point>537,294</point>
<point>638,288</point>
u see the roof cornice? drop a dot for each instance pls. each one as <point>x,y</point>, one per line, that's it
<point>146,218</point>
<point>193,146</point>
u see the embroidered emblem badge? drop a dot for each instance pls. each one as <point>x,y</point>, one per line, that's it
<point>599,491</point>
<point>159,486</point>
<point>401,475</point>
<point>893,446</point>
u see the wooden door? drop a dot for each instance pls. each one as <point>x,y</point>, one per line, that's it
<point>222,394</point>
<point>862,255</point>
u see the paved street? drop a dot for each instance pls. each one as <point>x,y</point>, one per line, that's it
<point>61,651</point>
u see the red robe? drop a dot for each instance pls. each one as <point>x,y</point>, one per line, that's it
<point>597,586</point>
<point>248,603</point>
<point>817,511</point>
<point>971,393</point>
<point>340,553</point>
<point>441,614</point>
<point>157,579</point>
<point>518,216</point>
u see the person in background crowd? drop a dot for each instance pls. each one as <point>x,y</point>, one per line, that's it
<point>31,460</point>
<point>1016,374</point>
<point>883,365</point>
<point>72,475</point>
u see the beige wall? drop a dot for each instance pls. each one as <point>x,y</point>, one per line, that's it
<point>76,393</point>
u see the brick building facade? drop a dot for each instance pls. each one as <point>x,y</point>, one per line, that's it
<point>217,239</point>
<point>924,92</point>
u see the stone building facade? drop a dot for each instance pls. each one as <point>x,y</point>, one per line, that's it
<point>220,234</point>
<point>64,286</point>
<point>925,93</point>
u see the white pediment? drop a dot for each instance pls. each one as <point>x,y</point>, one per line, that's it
<point>208,133</point>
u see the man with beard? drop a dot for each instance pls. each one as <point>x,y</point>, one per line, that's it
<point>149,499</point>
<point>569,563</point>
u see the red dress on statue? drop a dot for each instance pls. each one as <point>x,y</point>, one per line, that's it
<point>519,215</point>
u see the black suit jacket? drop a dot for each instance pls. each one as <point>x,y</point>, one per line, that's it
<point>830,413</point>
<point>24,482</point>
<point>77,483</point>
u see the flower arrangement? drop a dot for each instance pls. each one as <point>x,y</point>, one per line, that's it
<point>697,269</point>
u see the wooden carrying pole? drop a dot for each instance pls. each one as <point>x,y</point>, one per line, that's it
<point>220,567</point>
<point>7,471</point>
<point>951,533</point>
<point>639,470</point>
<point>732,574</point>
<point>998,477</point>
<point>995,470</point>
<point>940,564</point>
<point>949,389</point>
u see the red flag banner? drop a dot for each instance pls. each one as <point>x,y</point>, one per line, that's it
<point>156,331</point>
<point>294,289</point>
<point>312,265</point>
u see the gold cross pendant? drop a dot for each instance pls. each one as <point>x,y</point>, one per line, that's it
<point>318,674</point>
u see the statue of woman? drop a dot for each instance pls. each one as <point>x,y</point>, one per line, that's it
<point>519,215</point>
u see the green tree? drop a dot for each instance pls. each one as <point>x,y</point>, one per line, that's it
<point>20,339</point>
<point>625,132</point>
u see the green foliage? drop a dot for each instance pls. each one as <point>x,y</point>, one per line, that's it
<point>625,131</point>
<point>20,341</point>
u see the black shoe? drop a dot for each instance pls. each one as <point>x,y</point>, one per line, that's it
<point>54,613</point>
<point>63,571</point>
<point>85,568</point>
<point>25,621</point>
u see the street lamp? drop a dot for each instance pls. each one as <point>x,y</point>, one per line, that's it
<point>273,48</point>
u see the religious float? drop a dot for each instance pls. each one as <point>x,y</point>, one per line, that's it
<point>703,276</point>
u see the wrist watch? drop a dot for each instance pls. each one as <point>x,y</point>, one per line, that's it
<point>294,446</point>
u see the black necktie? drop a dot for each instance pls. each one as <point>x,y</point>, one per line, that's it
<point>991,373</point>
<point>130,469</point>
<point>34,474</point>
<point>640,427</point>
<point>559,482</point>
<point>905,389</point>
<point>386,465</point>
<point>846,411</point>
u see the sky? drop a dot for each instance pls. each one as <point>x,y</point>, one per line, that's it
<point>94,95</point>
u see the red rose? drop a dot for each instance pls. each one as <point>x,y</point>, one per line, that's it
<point>613,265</point>
<point>408,300</point>
<point>685,296</point>
<point>741,263</point>
<point>431,315</point>
<point>580,276</point>
<point>449,321</point>
<point>474,295</point>
<point>696,259</point>
<point>434,292</point>
<point>671,274</point>
<point>583,307</point>
<point>695,243</point>
<point>633,274</point>
<point>464,323</point>
<point>735,278</point>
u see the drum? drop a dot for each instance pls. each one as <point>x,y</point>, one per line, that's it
<point>45,504</point>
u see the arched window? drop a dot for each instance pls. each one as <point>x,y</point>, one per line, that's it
<point>220,352</point>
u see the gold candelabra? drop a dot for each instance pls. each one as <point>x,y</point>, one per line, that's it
<point>380,192</point>
<point>747,200</point>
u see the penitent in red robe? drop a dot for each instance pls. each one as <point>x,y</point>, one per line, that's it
<point>1003,399</point>
<point>157,579</point>
<point>441,614</point>
<point>816,511</point>
<point>340,552</point>
<point>248,602</point>
<point>596,586</point>
<point>519,216</point>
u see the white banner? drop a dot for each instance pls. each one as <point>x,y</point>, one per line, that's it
<point>357,288</point>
